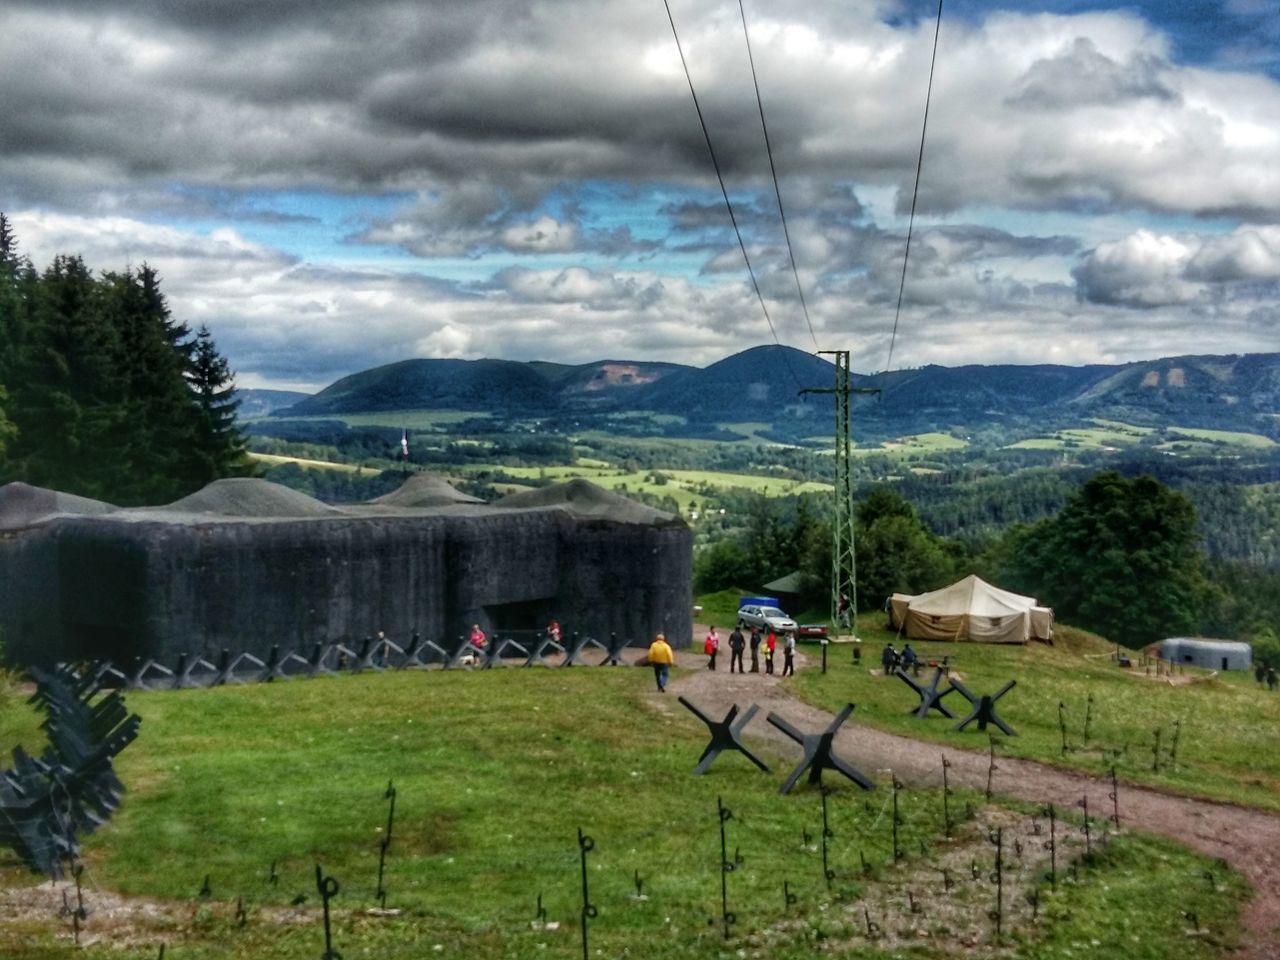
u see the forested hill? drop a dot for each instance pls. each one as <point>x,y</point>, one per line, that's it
<point>765,383</point>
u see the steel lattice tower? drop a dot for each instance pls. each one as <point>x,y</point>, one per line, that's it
<point>843,561</point>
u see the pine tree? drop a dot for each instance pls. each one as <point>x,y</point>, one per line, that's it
<point>10,311</point>
<point>219,449</point>
<point>160,427</point>
<point>67,404</point>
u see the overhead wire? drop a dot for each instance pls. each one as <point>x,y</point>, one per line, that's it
<point>777,192</point>
<point>915,193</point>
<point>715,162</point>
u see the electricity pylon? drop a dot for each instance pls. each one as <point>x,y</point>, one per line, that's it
<point>844,563</point>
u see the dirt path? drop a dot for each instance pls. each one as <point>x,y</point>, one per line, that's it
<point>1248,840</point>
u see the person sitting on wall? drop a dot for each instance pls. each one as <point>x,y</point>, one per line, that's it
<point>477,638</point>
<point>908,659</point>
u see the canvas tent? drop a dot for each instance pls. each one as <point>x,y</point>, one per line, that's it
<point>970,609</point>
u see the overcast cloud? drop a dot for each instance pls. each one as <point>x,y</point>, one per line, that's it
<point>334,184</point>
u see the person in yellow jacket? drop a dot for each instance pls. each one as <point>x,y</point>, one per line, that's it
<point>661,658</point>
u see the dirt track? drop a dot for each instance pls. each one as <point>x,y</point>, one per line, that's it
<point>1248,840</point>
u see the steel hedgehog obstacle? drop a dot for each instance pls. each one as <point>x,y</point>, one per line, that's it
<point>71,789</point>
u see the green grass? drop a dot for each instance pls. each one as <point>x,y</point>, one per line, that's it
<point>1252,441</point>
<point>683,486</point>
<point>915,444</point>
<point>1112,435</point>
<point>495,772</point>
<point>405,419</point>
<point>273,460</point>
<point>1226,740</point>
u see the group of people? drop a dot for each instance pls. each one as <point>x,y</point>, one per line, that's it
<point>661,656</point>
<point>892,659</point>
<point>768,641</point>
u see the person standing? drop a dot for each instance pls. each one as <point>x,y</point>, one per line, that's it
<point>770,645</point>
<point>842,610</point>
<point>711,647</point>
<point>888,658</point>
<point>737,643</point>
<point>661,658</point>
<point>755,649</point>
<point>553,632</point>
<point>789,655</point>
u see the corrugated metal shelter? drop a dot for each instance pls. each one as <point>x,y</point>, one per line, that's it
<point>247,564</point>
<point>971,609</point>
<point>1208,653</point>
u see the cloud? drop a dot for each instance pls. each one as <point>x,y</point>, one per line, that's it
<point>560,137</point>
<point>1150,270</point>
<point>1032,110</point>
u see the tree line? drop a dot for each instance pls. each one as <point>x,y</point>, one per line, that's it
<point>1123,557</point>
<point>103,393</point>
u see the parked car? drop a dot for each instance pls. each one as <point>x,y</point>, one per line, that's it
<point>766,618</point>
<point>811,631</point>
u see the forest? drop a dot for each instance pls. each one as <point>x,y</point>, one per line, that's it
<point>103,393</point>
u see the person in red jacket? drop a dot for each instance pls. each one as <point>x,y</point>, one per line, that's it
<point>711,647</point>
<point>770,645</point>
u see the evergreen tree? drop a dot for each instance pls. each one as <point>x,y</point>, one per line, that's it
<point>65,409</point>
<point>159,426</point>
<point>220,449</point>
<point>10,321</point>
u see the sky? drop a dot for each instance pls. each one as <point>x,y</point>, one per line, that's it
<point>330,185</point>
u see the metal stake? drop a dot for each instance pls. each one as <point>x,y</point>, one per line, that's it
<point>727,867</point>
<point>589,912</point>
<point>328,888</point>
<point>386,842</point>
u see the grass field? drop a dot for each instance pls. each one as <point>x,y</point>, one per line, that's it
<point>420,420</point>
<point>683,486</point>
<point>1114,435</point>
<point>921,443</point>
<point>495,773</point>
<point>1252,441</point>
<point>272,460</point>
<point>1225,725</point>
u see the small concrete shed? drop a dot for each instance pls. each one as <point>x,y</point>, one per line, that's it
<point>1204,652</point>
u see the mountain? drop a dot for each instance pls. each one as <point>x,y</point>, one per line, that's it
<point>520,389</point>
<point>759,384</point>
<point>763,384</point>
<point>435,385</point>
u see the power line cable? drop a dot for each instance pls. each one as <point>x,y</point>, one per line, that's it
<point>777,192</point>
<point>915,193</point>
<point>725,192</point>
